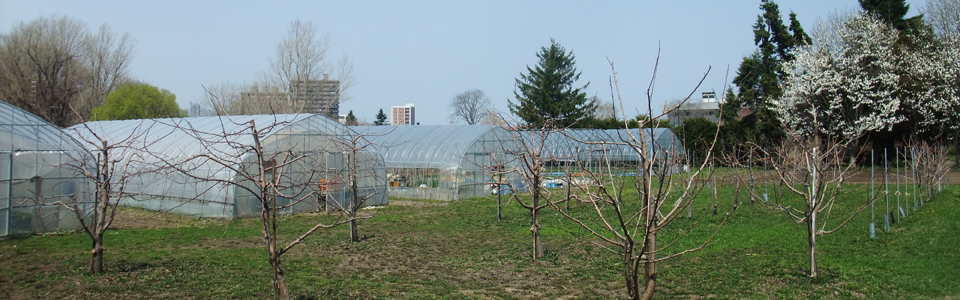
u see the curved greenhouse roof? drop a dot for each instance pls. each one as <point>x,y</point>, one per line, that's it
<point>201,191</point>
<point>439,146</point>
<point>39,168</point>
<point>445,162</point>
<point>583,144</point>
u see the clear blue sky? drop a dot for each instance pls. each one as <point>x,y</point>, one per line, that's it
<point>425,52</point>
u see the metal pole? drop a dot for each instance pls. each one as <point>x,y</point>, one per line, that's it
<point>766,185</point>
<point>897,164</point>
<point>499,196</point>
<point>886,190</point>
<point>913,168</point>
<point>752,191</point>
<point>873,196</point>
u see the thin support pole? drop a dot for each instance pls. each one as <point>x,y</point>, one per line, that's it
<point>899,207</point>
<point>766,184</point>
<point>886,190</point>
<point>873,195</point>
<point>913,168</point>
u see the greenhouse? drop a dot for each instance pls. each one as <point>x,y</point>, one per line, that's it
<point>593,146</point>
<point>205,166</point>
<point>442,162</point>
<point>39,170</point>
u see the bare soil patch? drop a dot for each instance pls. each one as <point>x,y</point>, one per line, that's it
<point>418,203</point>
<point>134,218</point>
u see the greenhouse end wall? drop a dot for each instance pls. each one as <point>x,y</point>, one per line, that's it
<point>39,175</point>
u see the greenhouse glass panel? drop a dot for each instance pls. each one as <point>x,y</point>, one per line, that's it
<point>39,171</point>
<point>441,162</point>
<point>212,155</point>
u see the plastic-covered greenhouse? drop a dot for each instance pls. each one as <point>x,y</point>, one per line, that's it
<point>38,169</point>
<point>441,162</point>
<point>320,145</point>
<point>590,145</point>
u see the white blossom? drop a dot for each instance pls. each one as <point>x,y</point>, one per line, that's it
<point>844,84</point>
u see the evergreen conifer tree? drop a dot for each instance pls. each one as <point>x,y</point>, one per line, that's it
<point>351,120</point>
<point>546,95</point>
<point>381,118</point>
<point>760,76</point>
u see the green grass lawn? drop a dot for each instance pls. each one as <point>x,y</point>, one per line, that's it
<point>416,249</point>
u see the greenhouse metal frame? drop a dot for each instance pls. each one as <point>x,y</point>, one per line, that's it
<point>38,175</point>
<point>203,188</point>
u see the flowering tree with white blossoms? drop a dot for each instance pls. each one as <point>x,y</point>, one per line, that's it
<point>933,103</point>
<point>846,81</point>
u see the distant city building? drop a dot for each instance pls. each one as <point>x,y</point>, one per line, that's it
<point>342,119</point>
<point>404,115</point>
<point>194,110</point>
<point>317,96</point>
<point>708,108</point>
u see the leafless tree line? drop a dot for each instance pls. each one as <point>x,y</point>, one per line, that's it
<point>281,171</point>
<point>51,64</point>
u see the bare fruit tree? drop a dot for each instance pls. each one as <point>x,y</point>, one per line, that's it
<point>112,165</point>
<point>932,163</point>
<point>813,170</point>
<point>470,107</point>
<point>356,170</point>
<point>631,223</point>
<point>281,168</point>
<point>49,65</point>
<point>528,155</point>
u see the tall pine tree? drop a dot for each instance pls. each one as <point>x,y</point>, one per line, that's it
<point>893,12</point>
<point>381,119</point>
<point>760,76</point>
<point>546,95</point>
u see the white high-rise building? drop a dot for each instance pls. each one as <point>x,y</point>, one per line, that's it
<point>403,115</point>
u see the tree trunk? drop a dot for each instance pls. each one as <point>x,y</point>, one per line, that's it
<point>355,204</point>
<point>631,272</point>
<point>535,229</point>
<point>97,255</point>
<point>650,268</point>
<point>279,282</point>
<point>354,236</point>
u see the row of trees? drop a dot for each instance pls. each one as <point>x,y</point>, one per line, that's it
<point>873,77</point>
<point>59,70</point>
<point>278,175</point>
<point>804,104</point>
<point>53,66</point>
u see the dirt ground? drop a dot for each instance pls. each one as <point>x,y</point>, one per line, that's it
<point>131,218</point>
